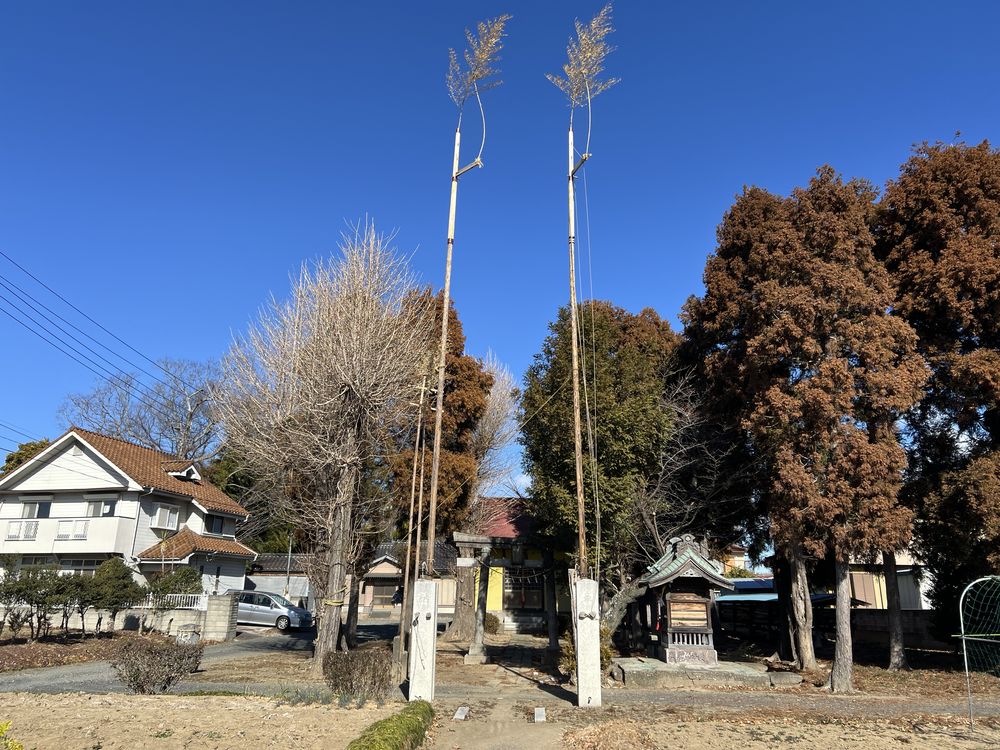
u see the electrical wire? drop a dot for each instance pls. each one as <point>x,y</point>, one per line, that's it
<point>81,312</point>
<point>107,374</point>
<point>21,293</point>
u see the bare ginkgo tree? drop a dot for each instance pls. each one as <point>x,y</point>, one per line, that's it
<point>312,393</point>
<point>466,79</point>
<point>582,80</point>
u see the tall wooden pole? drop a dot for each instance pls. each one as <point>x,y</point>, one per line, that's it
<point>577,429</point>
<point>439,411</point>
<point>404,609</point>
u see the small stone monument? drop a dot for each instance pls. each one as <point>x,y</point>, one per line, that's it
<point>423,640</point>
<point>188,635</point>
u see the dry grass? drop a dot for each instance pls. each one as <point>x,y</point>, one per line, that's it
<point>922,683</point>
<point>55,652</point>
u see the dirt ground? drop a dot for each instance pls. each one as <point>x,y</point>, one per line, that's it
<point>284,667</point>
<point>167,722</point>
<point>505,725</point>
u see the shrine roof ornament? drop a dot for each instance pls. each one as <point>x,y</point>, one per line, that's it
<point>685,558</point>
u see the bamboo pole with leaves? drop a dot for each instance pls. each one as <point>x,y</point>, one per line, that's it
<point>582,82</point>
<point>464,82</point>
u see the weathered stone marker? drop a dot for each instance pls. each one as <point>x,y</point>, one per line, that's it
<point>588,643</point>
<point>539,715</point>
<point>423,640</point>
<point>461,714</point>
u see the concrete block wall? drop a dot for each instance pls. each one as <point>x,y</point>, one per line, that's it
<point>216,623</point>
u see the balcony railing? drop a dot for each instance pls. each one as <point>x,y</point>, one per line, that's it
<point>72,529</point>
<point>22,531</point>
<point>175,601</point>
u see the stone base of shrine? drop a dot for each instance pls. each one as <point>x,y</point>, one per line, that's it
<point>703,657</point>
<point>643,672</point>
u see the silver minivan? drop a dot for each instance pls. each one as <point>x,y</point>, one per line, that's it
<point>264,608</point>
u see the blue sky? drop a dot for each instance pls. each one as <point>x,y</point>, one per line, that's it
<point>167,165</point>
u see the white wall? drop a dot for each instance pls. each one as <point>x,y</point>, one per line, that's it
<point>61,470</point>
<point>231,573</point>
<point>146,536</point>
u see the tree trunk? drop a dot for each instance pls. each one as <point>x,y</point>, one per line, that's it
<point>351,635</point>
<point>332,605</point>
<point>841,679</point>
<point>802,612</point>
<point>786,616</point>
<point>463,626</point>
<point>897,651</point>
<point>614,612</point>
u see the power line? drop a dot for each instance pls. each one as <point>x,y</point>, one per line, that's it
<point>123,383</point>
<point>7,283</point>
<point>14,428</point>
<point>75,340</point>
<point>114,336</point>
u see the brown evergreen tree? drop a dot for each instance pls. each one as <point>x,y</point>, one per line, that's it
<point>938,232</point>
<point>825,372</point>
<point>466,389</point>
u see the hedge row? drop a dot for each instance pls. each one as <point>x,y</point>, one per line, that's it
<point>403,731</point>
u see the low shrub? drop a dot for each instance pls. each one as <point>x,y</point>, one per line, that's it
<point>403,731</point>
<point>145,666</point>
<point>492,624</point>
<point>567,656</point>
<point>360,675</point>
<point>7,742</point>
<point>16,620</point>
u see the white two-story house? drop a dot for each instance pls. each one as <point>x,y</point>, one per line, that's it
<point>88,497</point>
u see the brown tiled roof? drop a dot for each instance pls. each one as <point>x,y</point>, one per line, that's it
<point>149,468</point>
<point>186,542</point>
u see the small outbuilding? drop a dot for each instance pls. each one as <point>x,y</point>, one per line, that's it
<point>681,590</point>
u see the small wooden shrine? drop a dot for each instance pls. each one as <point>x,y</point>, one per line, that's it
<point>684,583</point>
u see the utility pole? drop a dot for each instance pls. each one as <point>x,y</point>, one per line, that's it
<point>577,428</point>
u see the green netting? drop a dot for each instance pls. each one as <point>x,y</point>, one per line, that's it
<point>979,613</point>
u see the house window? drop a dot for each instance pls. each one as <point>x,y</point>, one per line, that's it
<point>79,566</point>
<point>98,507</point>
<point>383,594</point>
<point>30,561</point>
<point>165,517</point>
<point>39,509</point>
<point>213,524</point>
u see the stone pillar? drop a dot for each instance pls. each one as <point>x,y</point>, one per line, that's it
<point>477,649</point>
<point>588,644</point>
<point>423,640</point>
<point>220,618</point>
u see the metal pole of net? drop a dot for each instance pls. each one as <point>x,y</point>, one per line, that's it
<point>979,616</point>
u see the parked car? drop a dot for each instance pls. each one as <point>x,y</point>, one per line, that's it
<point>263,608</point>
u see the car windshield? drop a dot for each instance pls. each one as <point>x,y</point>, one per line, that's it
<point>281,600</point>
